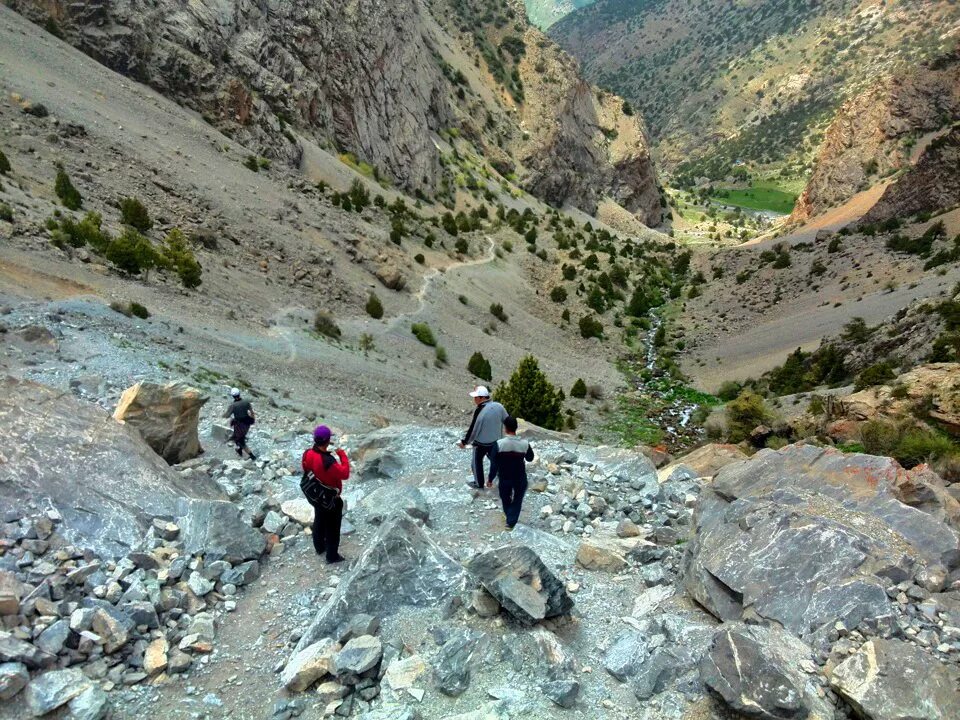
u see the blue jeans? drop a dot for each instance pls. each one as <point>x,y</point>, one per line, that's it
<point>479,452</point>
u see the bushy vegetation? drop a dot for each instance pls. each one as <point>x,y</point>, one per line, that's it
<point>908,444</point>
<point>135,214</point>
<point>130,309</point>
<point>6,212</point>
<point>479,366</point>
<point>374,307</point>
<point>530,395</point>
<point>423,333</point>
<point>68,194</point>
<point>876,374</point>
<point>590,327</point>
<point>4,164</point>
<point>181,259</point>
<point>579,389</point>
<point>324,324</point>
<point>744,414</point>
<point>496,309</point>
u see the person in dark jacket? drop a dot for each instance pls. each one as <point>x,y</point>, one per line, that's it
<point>330,472</point>
<point>485,429</point>
<point>513,454</point>
<point>242,418</point>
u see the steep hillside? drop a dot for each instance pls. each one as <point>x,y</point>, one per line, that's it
<point>885,130</point>
<point>544,13</point>
<point>381,84</point>
<point>722,82</point>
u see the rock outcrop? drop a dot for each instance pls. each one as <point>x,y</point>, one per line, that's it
<point>864,141</point>
<point>99,476</point>
<point>517,578</point>
<point>166,416</point>
<point>802,538</point>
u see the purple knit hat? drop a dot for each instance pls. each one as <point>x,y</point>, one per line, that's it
<point>321,434</point>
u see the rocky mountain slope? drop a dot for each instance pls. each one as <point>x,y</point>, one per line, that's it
<point>379,84</point>
<point>544,13</point>
<point>885,130</point>
<point>753,82</point>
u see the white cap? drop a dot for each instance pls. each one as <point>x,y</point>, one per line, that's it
<point>235,392</point>
<point>480,391</point>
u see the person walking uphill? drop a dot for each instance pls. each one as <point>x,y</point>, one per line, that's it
<point>322,485</point>
<point>513,454</point>
<point>242,418</point>
<point>485,430</point>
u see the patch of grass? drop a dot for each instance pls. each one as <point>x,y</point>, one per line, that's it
<point>632,425</point>
<point>325,325</point>
<point>758,197</point>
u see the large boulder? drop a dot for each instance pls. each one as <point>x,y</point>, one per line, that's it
<point>757,672</point>
<point>48,691</point>
<point>99,475</point>
<point>894,680</point>
<point>516,576</point>
<point>708,460</point>
<point>216,530</point>
<point>166,416</point>
<point>390,499</point>
<point>798,536</point>
<point>401,566</point>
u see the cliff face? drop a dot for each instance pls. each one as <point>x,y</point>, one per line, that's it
<point>378,80</point>
<point>867,140</point>
<point>578,145</point>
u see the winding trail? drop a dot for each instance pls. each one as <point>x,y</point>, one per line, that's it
<point>428,281</point>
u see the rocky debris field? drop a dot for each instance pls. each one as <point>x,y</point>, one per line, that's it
<point>791,584</point>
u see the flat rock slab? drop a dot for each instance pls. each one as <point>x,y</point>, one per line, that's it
<point>308,665</point>
<point>48,691</point>
<point>107,483</point>
<point>386,501</point>
<point>358,655</point>
<point>401,566</point>
<point>217,531</point>
<point>894,680</point>
<point>755,670</point>
<point>521,583</point>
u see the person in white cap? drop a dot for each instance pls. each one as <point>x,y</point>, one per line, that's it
<point>241,417</point>
<point>485,430</point>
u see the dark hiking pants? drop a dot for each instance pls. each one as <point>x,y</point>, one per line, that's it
<point>479,452</point>
<point>511,493</point>
<point>326,529</point>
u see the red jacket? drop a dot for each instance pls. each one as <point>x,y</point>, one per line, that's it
<point>328,471</point>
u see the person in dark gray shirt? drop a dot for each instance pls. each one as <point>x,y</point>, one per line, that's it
<point>242,418</point>
<point>513,454</point>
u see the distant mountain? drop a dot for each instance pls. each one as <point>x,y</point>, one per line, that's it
<point>757,81</point>
<point>544,13</point>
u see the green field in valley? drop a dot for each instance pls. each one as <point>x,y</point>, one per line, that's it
<point>757,198</point>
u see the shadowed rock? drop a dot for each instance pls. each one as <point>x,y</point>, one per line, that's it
<point>216,530</point>
<point>401,566</point>
<point>521,583</point>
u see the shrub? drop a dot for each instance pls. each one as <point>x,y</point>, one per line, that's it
<point>68,194</point>
<point>745,413</point>
<point>366,343</point>
<point>374,307</point>
<point>461,246</point>
<point>138,310</point>
<point>133,254</point>
<point>251,163</point>
<point>529,395</point>
<point>6,212</point>
<point>463,300</point>
<point>180,257</point>
<point>496,309</point>
<point>879,437</point>
<point>590,327</point>
<point>508,246</point>
<point>816,406</point>
<point>4,164</point>
<point>440,358</point>
<point>479,366</point>
<point>325,325</point>
<point>918,446</point>
<point>874,375</point>
<point>134,213</point>
<point>419,259</point>
<point>579,389</point>
<point>558,294</point>
<point>423,333</point>
<point>729,390</point>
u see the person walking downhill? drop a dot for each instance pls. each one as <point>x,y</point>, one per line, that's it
<point>485,430</point>
<point>513,454</point>
<point>322,485</point>
<point>242,418</point>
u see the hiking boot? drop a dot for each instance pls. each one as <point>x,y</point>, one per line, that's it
<point>335,559</point>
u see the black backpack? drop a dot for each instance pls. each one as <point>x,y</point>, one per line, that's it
<point>317,494</point>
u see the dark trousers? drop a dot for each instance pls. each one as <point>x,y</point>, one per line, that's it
<point>479,452</point>
<point>326,529</point>
<point>512,491</point>
<point>239,438</point>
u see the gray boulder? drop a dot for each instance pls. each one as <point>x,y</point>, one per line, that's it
<point>216,530</point>
<point>894,680</point>
<point>14,677</point>
<point>756,671</point>
<point>14,650</point>
<point>358,655</point>
<point>48,691</point>
<point>91,704</point>
<point>382,503</point>
<point>458,657</point>
<point>796,536</point>
<point>516,576</point>
<point>107,484</point>
<point>401,566</point>
<point>626,654</point>
<point>563,692</point>
<point>54,637</point>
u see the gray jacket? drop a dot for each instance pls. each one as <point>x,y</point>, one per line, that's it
<point>487,424</point>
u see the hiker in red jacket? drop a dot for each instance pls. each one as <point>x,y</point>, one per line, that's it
<point>330,473</point>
